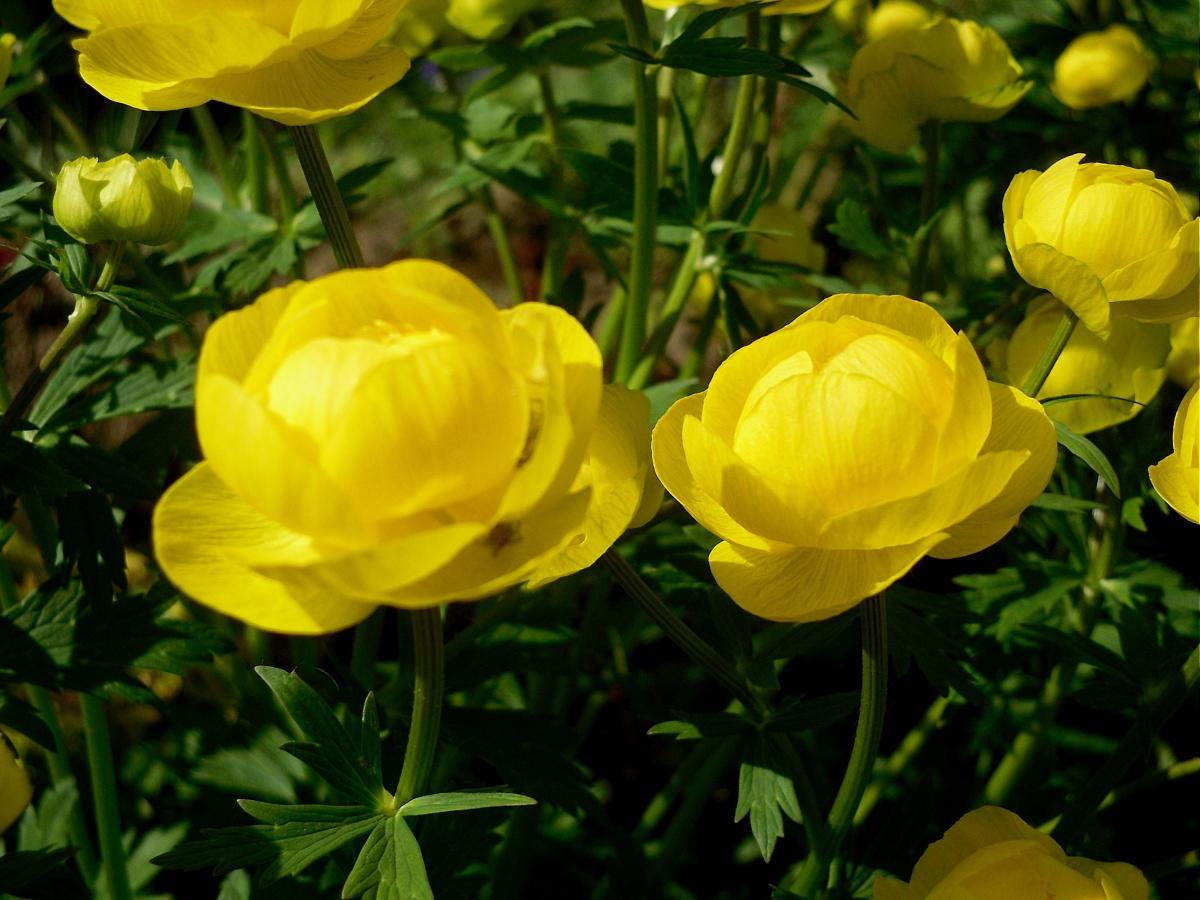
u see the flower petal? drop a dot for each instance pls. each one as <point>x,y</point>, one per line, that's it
<point>1069,280</point>
<point>917,320</point>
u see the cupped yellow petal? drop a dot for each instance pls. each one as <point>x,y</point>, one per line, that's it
<point>16,790</point>
<point>1177,484</point>
<point>78,12</point>
<point>1016,868</point>
<point>671,464</point>
<point>1110,225</point>
<point>235,340</point>
<point>1183,363</point>
<point>319,21</point>
<point>202,532</point>
<point>909,317</point>
<point>809,584</point>
<point>1161,310</point>
<point>1160,272</point>
<point>1069,280</point>
<point>1043,198</point>
<point>1120,881</point>
<point>372,24</point>
<point>890,889</point>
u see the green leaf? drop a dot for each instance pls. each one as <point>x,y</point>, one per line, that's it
<point>462,800</point>
<point>694,726</point>
<point>1092,455</point>
<point>809,715</point>
<point>665,393</point>
<point>18,192</point>
<point>19,716</point>
<point>390,864</point>
<point>766,792</point>
<point>330,751</point>
<point>42,875</point>
<point>282,813</point>
<point>151,385</point>
<point>854,231</point>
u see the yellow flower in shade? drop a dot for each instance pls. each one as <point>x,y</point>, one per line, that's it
<point>1183,363</point>
<point>387,436</point>
<point>949,70</point>
<point>418,24</point>
<point>832,455</point>
<point>1129,363</point>
<point>1101,67</point>
<point>1177,478</point>
<point>895,16</point>
<point>782,8</point>
<point>6,56</point>
<point>487,19</point>
<point>992,854</point>
<point>294,61</point>
<point>15,788</point>
<point>122,199</point>
<point>847,14</point>
<point>1094,234</point>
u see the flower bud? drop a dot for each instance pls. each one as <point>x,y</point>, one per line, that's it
<point>487,19</point>
<point>15,788</point>
<point>6,55</point>
<point>122,199</point>
<point>1101,67</point>
<point>1177,477</point>
<point>894,17</point>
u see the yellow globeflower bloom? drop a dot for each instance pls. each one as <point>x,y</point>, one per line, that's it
<point>832,455</point>
<point>895,16</point>
<point>782,8</point>
<point>1183,363</point>
<point>1093,234</point>
<point>1101,67</point>
<point>1177,477</point>
<point>122,199</point>
<point>15,788</point>
<point>418,24</point>
<point>949,70</point>
<point>387,436</point>
<point>6,56</point>
<point>487,19</point>
<point>294,61</point>
<point>992,854</point>
<point>1130,363</point>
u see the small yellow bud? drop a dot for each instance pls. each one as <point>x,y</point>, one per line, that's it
<point>6,55</point>
<point>122,199</point>
<point>15,788</point>
<point>1101,67</point>
<point>894,17</point>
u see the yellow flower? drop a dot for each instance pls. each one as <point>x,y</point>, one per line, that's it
<point>1177,477</point>
<point>418,24</point>
<point>895,16</point>
<point>991,854</point>
<point>387,436</point>
<point>15,788</point>
<point>6,56</point>
<point>1130,363</point>
<point>1093,234</point>
<point>487,19</point>
<point>781,8</point>
<point>294,61</point>
<point>1101,67</point>
<point>847,14</point>
<point>1183,363</point>
<point>122,199</point>
<point>832,455</point>
<point>949,70</point>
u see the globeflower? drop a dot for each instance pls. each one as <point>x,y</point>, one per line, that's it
<point>487,19</point>
<point>15,788</point>
<point>782,8</point>
<point>950,70</point>
<point>387,436</point>
<point>1177,477</point>
<point>991,854</point>
<point>835,453</point>
<point>292,61</point>
<point>1105,240</point>
<point>1101,67</point>
<point>6,56</point>
<point>1183,363</point>
<point>122,199</point>
<point>895,16</point>
<point>1130,363</point>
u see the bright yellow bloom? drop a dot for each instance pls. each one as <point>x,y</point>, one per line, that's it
<point>418,24</point>
<point>895,16</point>
<point>949,70</point>
<point>1183,364</point>
<point>1094,234</point>
<point>1130,363</point>
<point>1177,477</point>
<point>387,436</point>
<point>847,14</point>
<point>1101,67</point>
<point>782,8</point>
<point>6,56</point>
<point>992,854</point>
<point>122,199</point>
<point>832,455</point>
<point>487,19</point>
<point>15,788</point>
<point>294,61</point>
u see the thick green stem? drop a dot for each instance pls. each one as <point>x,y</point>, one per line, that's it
<point>1036,379</point>
<point>645,193</point>
<point>687,640</point>
<point>504,249</point>
<point>862,757</point>
<point>86,307</point>
<point>218,156</point>
<point>279,171</point>
<point>931,133</point>
<point>325,193</point>
<point>256,162</point>
<point>428,684</point>
<point>104,796</point>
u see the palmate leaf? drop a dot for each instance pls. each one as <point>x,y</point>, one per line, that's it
<point>390,864</point>
<point>766,792</point>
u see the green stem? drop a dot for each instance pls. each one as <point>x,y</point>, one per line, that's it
<point>104,796</point>
<point>862,756</point>
<point>739,131</point>
<point>504,249</point>
<point>695,359</point>
<point>279,171</point>
<point>365,652</point>
<point>645,194</point>
<point>86,307</point>
<point>677,296</point>
<point>1034,381</point>
<point>610,326</point>
<point>931,133</point>
<point>764,118</point>
<point>428,684</point>
<point>666,105</point>
<point>218,156</point>
<point>687,640</point>
<point>325,193</point>
<point>256,162</point>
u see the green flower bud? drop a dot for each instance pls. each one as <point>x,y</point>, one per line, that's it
<point>122,199</point>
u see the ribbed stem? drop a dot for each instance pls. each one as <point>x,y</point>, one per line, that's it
<point>256,162</point>
<point>428,684</point>
<point>504,249</point>
<point>330,205</point>
<point>104,796</point>
<point>1036,379</point>
<point>931,133</point>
